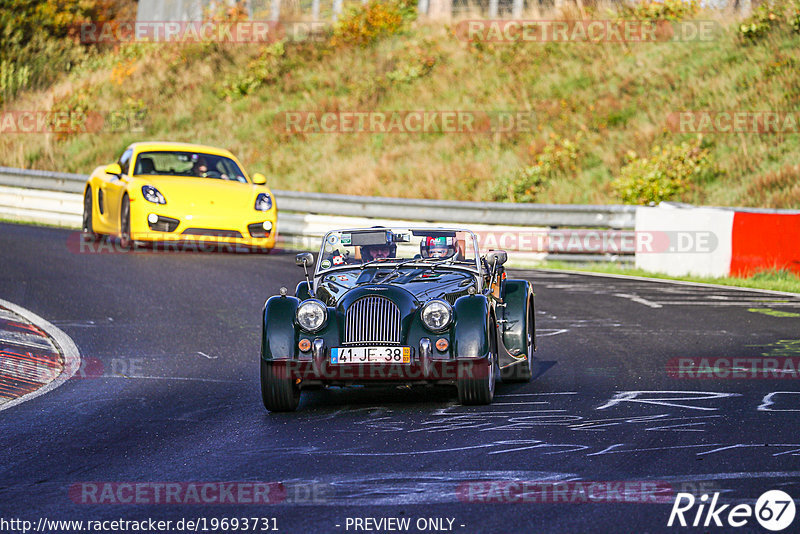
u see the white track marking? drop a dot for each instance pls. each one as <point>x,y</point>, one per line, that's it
<point>767,401</point>
<point>76,324</point>
<point>639,300</point>
<point>555,333</point>
<point>634,397</point>
<point>207,356</point>
<point>185,378</point>
<point>8,316</point>
<point>25,339</point>
<point>663,281</point>
<point>68,349</point>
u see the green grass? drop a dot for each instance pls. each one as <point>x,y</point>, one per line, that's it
<point>772,280</point>
<point>612,98</point>
<point>9,220</point>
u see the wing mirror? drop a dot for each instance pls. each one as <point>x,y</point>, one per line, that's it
<point>496,257</point>
<point>259,179</point>
<point>304,259</point>
<point>114,169</point>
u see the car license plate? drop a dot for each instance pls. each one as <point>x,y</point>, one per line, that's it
<point>399,355</point>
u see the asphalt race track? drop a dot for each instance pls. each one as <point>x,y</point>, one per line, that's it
<point>169,392</point>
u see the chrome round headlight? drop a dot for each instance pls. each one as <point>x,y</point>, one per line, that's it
<point>311,315</point>
<point>437,315</point>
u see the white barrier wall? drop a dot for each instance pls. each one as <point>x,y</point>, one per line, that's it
<point>687,241</point>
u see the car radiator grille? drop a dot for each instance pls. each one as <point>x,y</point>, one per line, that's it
<point>372,320</point>
<point>452,297</point>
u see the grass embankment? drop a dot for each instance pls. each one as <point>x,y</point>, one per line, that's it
<point>601,109</point>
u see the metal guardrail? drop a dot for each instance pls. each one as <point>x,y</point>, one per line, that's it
<point>493,213</point>
<point>62,182</point>
<point>303,218</point>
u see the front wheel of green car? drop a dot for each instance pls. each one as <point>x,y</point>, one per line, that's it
<point>476,383</point>
<point>279,391</point>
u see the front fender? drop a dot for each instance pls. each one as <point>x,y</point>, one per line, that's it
<point>469,335</point>
<point>302,291</point>
<point>279,335</point>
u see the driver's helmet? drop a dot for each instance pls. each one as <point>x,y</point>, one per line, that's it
<point>437,247</point>
<point>374,252</point>
<point>199,161</point>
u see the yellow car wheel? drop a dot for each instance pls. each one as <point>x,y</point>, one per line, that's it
<point>87,228</point>
<point>125,224</point>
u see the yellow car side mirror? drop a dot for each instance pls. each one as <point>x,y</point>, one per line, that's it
<point>114,168</point>
<point>259,179</point>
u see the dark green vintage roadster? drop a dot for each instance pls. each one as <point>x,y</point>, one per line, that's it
<point>398,306</point>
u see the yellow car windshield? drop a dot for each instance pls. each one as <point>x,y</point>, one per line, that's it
<point>194,164</point>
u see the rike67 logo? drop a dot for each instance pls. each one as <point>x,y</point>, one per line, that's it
<point>774,511</point>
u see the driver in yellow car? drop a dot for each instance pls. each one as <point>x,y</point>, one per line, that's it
<point>199,166</point>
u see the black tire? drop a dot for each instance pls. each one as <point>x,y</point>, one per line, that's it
<point>478,390</point>
<point>125,241</point>
<point>523,372</point>
<point>279,392</point>
<point>87,228</point>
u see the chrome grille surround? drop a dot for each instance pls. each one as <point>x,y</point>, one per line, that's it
<point>372,320</point>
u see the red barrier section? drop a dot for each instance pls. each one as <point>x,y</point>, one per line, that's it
<point>762,241</point>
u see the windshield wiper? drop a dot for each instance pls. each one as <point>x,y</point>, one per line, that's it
<point>370,262</point>
<point>396,268</point>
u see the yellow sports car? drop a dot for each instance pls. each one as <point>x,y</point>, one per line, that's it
<point>160,192</point>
